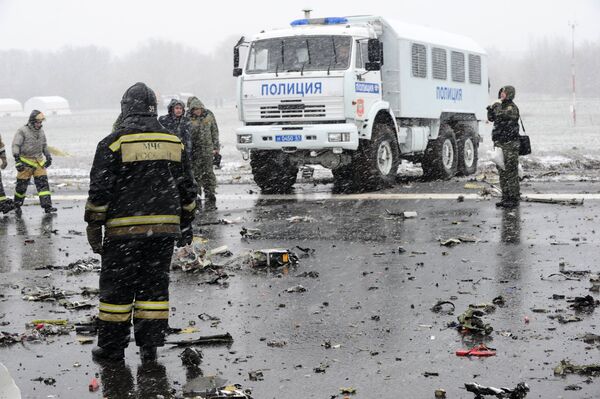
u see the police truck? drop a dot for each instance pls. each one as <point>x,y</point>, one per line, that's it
<point>357,95</point>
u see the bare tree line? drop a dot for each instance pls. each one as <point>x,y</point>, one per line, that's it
<point>92,77</point>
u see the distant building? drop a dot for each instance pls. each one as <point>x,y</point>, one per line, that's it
<point>50,105</point>
<point>10,107</point>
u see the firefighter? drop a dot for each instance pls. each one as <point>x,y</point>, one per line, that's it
<point>205,146</point>
<point>6,204</point>
<point>32,158</point>
<point>142,199</point>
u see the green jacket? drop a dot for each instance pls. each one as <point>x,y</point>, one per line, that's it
<point>505,115</point>
<point>204,131</point>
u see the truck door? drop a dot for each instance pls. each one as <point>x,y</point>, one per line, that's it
<point>367,84</point>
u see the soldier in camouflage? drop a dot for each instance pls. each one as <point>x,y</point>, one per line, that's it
<point>205,145</point>
<point>505,134</point>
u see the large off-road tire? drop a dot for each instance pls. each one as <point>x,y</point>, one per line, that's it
<point>467,147</point>
<point>375,164</point>
<point>440,160</point>
<point>273,172</point>
<point>343,181</point>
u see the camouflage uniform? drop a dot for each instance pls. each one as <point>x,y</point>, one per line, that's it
<point>505,115</point>
<point>205,140</point>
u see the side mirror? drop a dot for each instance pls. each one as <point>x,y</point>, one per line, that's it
<point>237,71</point>
<point>374,50</point>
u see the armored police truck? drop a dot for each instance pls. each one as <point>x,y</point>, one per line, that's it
<point>357,95</point>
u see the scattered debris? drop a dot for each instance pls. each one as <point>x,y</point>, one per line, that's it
<point>348,391</point>
<point>84,266</point>
<point>191,357</point>
<point>478,351</point>
<point>439,306</point>
<point>276,344</point>
<point>256,375</point>
<point>250,233</point>
<point>93,386</point>
<point>470,321</point>
<point>273,258</point>
<point>299,219</point>
<point>450,242</point>
<point>566,367</point>
<point>519,392</point>
<point>311,274</point>
<point>595,281</point>
<point>221,339</point>
<point>569,202</point>
<point>296,288</point>
<point>195,257</point>
<point>440,393</point>
<point>585,303</point>
<point>485,307</point>
<point>431,374</point>
<point>565,319</point>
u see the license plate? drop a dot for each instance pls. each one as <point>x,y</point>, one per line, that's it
<point>286,138</point>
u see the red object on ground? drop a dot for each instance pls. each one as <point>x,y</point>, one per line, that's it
<point>479,350</point>
<point>94,386</point>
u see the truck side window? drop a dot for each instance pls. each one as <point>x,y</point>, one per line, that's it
<point>457,61</point>
<point>419,61</point>
<point>439,64</point>
<point>359,63</point>
<point>475,69</point>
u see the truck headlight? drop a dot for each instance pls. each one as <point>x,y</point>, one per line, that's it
<point>339,137</point>
<point>244,138</point>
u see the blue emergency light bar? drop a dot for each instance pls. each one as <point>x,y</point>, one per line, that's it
<point>320,21</point>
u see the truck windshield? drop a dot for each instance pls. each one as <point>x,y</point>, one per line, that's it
<point>299,53</point>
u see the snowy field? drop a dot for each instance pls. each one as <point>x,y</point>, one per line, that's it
<point>557,145</point>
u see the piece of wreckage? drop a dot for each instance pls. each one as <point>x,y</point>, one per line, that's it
<point>197,257</point>
<point>519,392</point>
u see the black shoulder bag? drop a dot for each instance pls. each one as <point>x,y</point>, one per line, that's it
<point>524,143</point>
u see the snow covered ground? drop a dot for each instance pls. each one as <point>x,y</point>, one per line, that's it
<point>558,146</point>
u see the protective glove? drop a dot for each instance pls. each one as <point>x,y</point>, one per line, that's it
<point>187,235</point>
<point>48,162</point>
<point>18,164</point>
<point>94,236</point>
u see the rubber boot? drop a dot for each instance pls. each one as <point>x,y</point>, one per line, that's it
<point>100,354</point>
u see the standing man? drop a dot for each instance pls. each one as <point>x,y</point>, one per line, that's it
<point>505,134</point>
<point>6,204</point>
<point>176,122</point>
<point>143,194</point>
<point>205,146</point>
<point>32,158</point>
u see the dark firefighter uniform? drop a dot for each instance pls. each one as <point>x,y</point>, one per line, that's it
<point>143,194</point>
<point>6,204</point>
<point>505,134</point>
<point>32,158</point>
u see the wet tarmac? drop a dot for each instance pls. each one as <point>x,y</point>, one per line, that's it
<point>365,321</point>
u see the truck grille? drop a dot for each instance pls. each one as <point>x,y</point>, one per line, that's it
<point>293,111</point>
<point>331,108</point>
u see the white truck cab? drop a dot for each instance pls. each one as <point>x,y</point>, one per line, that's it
<point>357,95</point>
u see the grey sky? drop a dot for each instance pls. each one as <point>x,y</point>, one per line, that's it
<point>120,25</point>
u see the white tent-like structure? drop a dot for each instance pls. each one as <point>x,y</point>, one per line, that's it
<point>49,105</point>
<point>10,107</point>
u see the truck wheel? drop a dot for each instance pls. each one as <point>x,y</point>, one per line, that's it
<point>376,161</point>
<point>467,153</point>
<point>271,176</point>
<point>440,160</point>
<point>342,179</point>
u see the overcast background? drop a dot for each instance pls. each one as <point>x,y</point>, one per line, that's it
<point>90,51</point>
